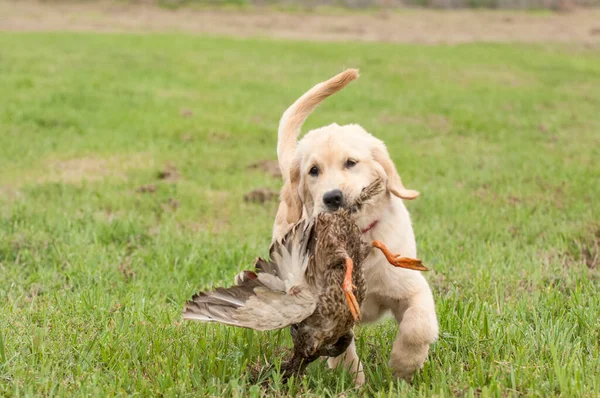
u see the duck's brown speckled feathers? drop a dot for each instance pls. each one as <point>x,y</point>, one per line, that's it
<point>300,286</point>
<point>328,331</point>
<point>367,194</point>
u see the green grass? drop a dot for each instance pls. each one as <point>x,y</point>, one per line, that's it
<point>502,140</point>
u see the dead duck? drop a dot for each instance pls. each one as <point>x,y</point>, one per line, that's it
<point>313,282</point>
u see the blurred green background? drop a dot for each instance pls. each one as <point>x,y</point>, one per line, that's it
<point>137,168</point>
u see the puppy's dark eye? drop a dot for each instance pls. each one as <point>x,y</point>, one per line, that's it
<point>314,171</point>
<point>350,163</point>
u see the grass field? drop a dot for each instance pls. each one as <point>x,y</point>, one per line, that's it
<point>99,250</point>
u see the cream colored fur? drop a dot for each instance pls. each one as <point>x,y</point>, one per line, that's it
<point>404,293</point>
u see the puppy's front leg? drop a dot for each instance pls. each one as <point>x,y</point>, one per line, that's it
<point>418,329</point>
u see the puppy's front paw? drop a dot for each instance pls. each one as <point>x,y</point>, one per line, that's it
<point>405,363</point>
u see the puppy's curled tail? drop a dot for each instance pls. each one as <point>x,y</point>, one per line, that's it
<point>294,117</point>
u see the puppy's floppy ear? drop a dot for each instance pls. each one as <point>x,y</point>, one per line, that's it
<point>394,184</point>
<point>290,194</point>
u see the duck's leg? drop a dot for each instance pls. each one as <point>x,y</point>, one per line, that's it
<point>348,287</point>
<point>397,260</point>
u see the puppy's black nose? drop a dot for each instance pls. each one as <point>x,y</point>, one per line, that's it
<point>333,199</point>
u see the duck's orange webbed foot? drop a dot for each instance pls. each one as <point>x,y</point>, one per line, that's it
<point>348,287</point>
<point>397,260</point>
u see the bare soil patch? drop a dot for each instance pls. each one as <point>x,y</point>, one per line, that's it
<point>74,171</point>
<point>270,167</point>
<point>8,192</point>
<point>407,26</point>
<point>590,251</point>
<point>169,173</point>
<point>261,195</point>
<point>151,188</point>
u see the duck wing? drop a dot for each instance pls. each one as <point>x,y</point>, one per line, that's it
<point>291,256</point>
<point>273,297</point>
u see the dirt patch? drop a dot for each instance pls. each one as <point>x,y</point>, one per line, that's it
<point>108,215</point>
<point>126,269</point>
<point>590,251</point>
<point>584,251</point>
<point>407,26</point>
<point>258,371</point>
<point>170,206</point>
<point>261,195</point>
<point>219,136</point>
<point>150,188</point>
<point>590,256</point>
<point>186,112</point>
<point>34,291</point>
<point>187,138</point>
<point>9,192</point>
<point>270,167</point>
<point>169,173</point>
<point>75,171</point>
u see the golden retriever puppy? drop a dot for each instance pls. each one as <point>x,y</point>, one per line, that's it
<point>326,170</point>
